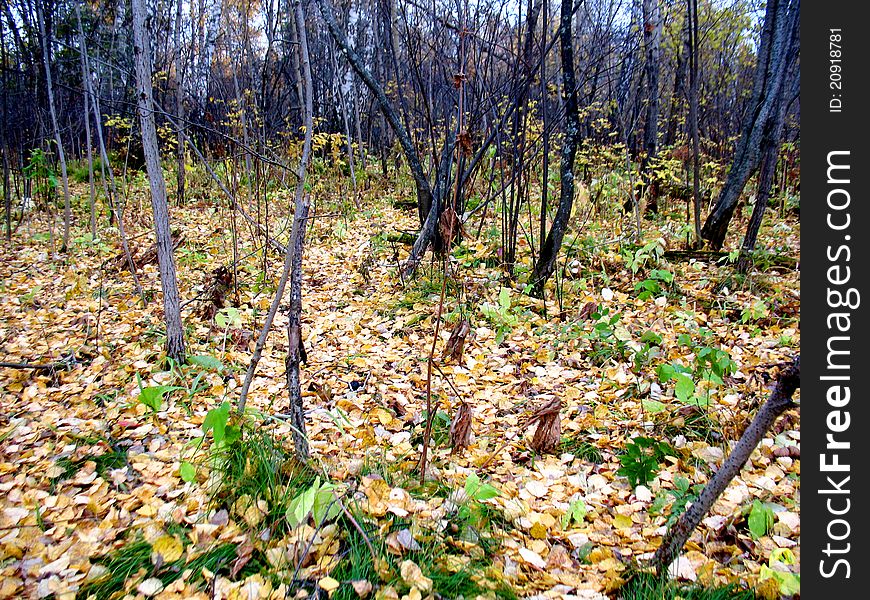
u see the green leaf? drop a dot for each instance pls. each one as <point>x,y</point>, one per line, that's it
<point>760,519</point>
<point>504,298</point>
<point>188,472</point>
<point>576,513</point>
<point>665,373</point>
<point>216,421</point>
<point>206,362</point>
<point>685,387</point>
<point>653,406</point>
<point>325,507</point>
<point>152,396</point>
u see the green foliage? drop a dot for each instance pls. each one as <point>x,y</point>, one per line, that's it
<point>781,559</point>
<point>651,287</point>
<point>604,342</point>
<point>152,396</point>
<point>576,513</point>
<point>683,494</point>
<point>317,501</point>
<point>761,519</point>
<point>501,315</point>
<point>640,459</point>
<point>756,312</point>
<point>39,170</point>
<point>637,257</point>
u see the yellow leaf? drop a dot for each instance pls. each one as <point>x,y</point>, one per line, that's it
<point>538,531</point>
<point>413,576</point>
<point>622,521</point>
<point>167,547</point>
<point>328,585</point>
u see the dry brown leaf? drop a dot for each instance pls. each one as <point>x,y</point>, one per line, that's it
<point>460,428</point>
<point>549,430</point>
<point>456,344</point>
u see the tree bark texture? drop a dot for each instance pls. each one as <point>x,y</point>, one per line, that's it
<point>159,205</point>
<point>546,263</point>
<point>780,19</point>
<point>779,401</point>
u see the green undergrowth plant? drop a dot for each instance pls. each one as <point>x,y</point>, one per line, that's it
<point>641,459</point>
<point>502,315</point>
<point>676,500</point>
<point>604,342</point>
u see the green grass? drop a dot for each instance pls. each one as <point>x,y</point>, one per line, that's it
<point>646,586</point>
<point>580,448</point>
<point>133,561</point>
<point>259,467</point>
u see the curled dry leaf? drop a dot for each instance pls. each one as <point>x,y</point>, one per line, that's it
<point>449,226</point>
<point>549,430</point>
<point>460,428</point>
<point>456,344</point>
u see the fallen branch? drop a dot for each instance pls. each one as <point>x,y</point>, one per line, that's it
<point>778,402</point>
<point>717,255</point>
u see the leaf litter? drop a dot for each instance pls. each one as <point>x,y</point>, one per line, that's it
<point>88,465</point>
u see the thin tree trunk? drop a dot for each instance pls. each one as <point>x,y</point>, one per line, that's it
<point>46,60</point>
<point>550,250</point>
<point>159,205</point>
<point>652,35</point>
<point>105,165</point>
<point>779,401</point>
<point>693,117</point>
<point>295,351</point>
<point>7,192</point>
<point>87,119</point>
<point>179,109</point>
<point>296,233</point>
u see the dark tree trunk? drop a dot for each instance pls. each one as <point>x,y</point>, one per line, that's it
<point>652,35</point>
<point>46,60</point>
<point>767,171</point>
<point>778,402</point>
<point>179,109</point>
<point>159,205</point>
<point>546,263</point>
<point>295,350</point>
<point>780,19</point>
<point>693,117</point>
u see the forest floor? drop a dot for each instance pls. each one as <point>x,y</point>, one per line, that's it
<point>90,465</point>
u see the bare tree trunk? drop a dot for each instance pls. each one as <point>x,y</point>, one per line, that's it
<point>546,263</point>
<point>693,116</point>
<point>87,119</point>
<point>165,258</point>
<point>105,165</point>
<point>295,351</point>
<point>46,60</point>
<point>7,192</point>
<point>179,108</point>
<point>652,35</point>
<point>425,196</point>
<point>780,19</point>
<point>778,402</point>
<point>289,254</point>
